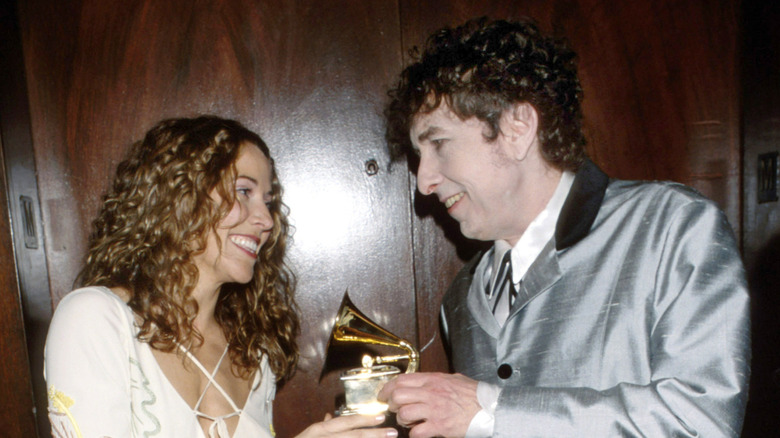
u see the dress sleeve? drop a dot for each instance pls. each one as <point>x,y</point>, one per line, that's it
<point>87,366</point>
<point>699,351</point>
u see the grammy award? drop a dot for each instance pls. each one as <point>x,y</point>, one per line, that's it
<point>361,385</point>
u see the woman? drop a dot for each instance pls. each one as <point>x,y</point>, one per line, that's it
<point>186,317</point>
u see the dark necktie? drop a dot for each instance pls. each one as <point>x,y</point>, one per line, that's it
<point>503,289</point>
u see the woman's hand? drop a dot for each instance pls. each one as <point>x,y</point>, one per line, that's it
<point>349,426</point>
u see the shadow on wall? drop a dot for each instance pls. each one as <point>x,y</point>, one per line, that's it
<point>763,410</point>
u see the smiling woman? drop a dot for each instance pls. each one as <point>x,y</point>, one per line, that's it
<point>185,319</point>
<point>231,248</point>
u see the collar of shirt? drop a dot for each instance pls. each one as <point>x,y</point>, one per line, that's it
<point>536,236</point>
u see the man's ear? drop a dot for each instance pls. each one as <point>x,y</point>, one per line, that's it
<point>519,125</point>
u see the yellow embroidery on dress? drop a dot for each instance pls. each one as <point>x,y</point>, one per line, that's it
<point>62,403</point>
<point>273,432</point>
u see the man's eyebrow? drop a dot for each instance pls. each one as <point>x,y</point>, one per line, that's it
<point>425,135</point>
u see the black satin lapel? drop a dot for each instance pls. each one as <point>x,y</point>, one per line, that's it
<point>581,206</point>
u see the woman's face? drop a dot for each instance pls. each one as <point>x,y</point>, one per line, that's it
<point>232,257</point>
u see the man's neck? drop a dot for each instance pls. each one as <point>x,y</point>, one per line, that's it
<point>536,198</point>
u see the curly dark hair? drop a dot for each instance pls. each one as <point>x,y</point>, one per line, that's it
<point>158,214</point>
<point>483,67</point>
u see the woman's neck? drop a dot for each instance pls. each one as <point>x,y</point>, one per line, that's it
<point>206,296</point>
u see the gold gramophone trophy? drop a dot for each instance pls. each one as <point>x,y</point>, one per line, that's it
<point>361,385</point>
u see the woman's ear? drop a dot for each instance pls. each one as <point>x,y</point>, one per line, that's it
<point>519,125</point>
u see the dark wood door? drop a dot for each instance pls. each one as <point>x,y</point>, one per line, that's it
<point>309,76</point>
<point>16,393</point>
<point>24,318</point>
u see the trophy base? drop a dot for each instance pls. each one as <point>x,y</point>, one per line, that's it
<point>369,409</point>
<point>361,386</point>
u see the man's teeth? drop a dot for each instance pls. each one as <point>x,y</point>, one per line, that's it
<point>245,242</point>
<point>452,200</point>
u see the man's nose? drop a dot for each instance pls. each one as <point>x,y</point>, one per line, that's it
<point>428,175</point>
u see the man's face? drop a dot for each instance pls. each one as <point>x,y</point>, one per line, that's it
<point>479,182</point>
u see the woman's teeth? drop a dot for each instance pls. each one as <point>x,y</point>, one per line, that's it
<point>246,243</point>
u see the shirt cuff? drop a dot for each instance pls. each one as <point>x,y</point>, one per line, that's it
<point>481,425</point>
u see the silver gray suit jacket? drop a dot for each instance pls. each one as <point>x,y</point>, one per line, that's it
<point>633,321</point>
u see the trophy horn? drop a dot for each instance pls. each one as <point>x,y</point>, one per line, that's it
<point>352,326</point>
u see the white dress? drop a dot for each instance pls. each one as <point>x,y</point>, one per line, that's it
<point>103,382</point>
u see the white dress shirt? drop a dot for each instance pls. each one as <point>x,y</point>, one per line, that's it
<point>525,251</point>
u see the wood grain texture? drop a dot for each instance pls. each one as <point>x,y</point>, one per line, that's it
<point>661,102</point>
<point>16,396</point>
<point>24,299</point>
<point>308,76</point>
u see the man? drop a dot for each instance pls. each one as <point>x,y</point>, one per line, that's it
<point>605,307</point>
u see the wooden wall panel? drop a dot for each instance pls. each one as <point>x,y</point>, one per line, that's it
<point>16,396</point>
<point>662,96</point>
<point>308,76</point>
<point>25,301</point>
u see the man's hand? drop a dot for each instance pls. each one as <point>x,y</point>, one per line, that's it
<point>432,404</point>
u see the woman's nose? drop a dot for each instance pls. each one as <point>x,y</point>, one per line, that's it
<point>262,216</point>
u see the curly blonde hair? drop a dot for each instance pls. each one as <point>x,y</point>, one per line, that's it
<point>158,214</point>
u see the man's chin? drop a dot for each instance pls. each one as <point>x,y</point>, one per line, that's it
<point>471,233</point>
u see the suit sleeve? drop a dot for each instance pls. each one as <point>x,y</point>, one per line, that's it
<point>86,367</point>
<point>700,351</point>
